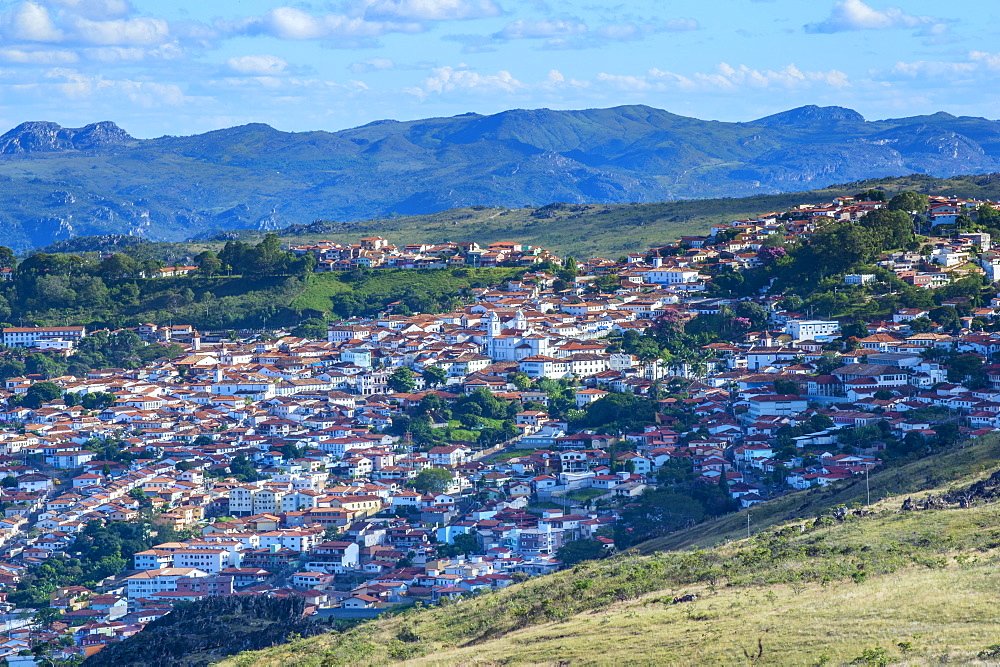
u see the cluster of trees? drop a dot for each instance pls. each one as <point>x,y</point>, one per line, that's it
<point>99,551</point>
<point>255,261</point>
<point>122,349</point>
<point>617,413</point>
<point>682,501</point>
<point>480,414</point>
<point>840,246</point>
<point>124,288</point>
<point>217,627</point>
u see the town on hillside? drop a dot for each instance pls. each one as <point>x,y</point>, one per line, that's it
<point>576,409</point>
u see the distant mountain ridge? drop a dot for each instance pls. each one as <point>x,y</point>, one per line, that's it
<point>45,137</point>
<point>57,183</point>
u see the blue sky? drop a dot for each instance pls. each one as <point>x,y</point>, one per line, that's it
<point>195,66</point>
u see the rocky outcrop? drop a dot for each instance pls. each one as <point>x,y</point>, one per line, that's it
<point>46,137</point>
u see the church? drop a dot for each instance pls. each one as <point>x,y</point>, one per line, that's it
<point>514,339</point>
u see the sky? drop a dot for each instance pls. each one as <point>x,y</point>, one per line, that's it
<point>183,67</point>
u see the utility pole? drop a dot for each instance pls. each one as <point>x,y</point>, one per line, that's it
<point>748,525</point>
<point>868,489</point>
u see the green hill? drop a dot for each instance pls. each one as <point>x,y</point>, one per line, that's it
<point>584,230</point>
<point>868,587</point>
<point>609,230</point>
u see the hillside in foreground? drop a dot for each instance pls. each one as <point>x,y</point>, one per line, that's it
<point>873,586</point>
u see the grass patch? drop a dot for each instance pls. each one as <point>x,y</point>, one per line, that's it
<point>387,285</point>
<point>516,454</point>
<point>584,495</point>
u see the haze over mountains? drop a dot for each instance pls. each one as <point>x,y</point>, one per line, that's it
<point>60,182</point>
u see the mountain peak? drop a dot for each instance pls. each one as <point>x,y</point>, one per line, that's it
<point>47,137</point>
<point>810,114</point>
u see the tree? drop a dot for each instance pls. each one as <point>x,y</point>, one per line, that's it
<point>466,543</point>
<point>11,368</point>
<point>44,365</point>
<point>828,362</point>
<point>947,433</point>
<point>820,422</point>
<point>117,266</point>
<point>909,201</point>
<point>40,393</point>
<point>871,195</point>
<point>435,376</point>
<point>946,316</point>
<point>619,412</point>
<point>890,229</point>
<point>988,216</point>
<point>785,387</point>
<point>314,328</point>
<point>521,381</point>
<point>47,615</point>
<point>208,263</point>
<point>576,551</point>
<point>8,482</point>
<point>855,329</point>
<point>243,469</point>
<point>967,369</point>
<point>401,381</point>
<point>432,481</point>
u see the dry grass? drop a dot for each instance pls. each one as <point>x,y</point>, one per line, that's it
<point>949,612</point>
<point>936,596</point>
<point>907,587</point>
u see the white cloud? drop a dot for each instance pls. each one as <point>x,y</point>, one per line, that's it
<point>362,22</point>
<point>117,55</point>
<point>680,25</point>
<point>78,86</point>
<point>31,22</point>
<point>97,9</point>
<point>448,79</point>
<point>725,78</point>
<point>133,32</point>
<point>978,66</point>
<point>572,33</point>
<point>850,15</point>
<point>263,65</point>
<point>524,29</point>
<point>430,10</point>
<point>30,57</point>
<point>372,65</point>
<point>294,24</point>
<point>988,60</point>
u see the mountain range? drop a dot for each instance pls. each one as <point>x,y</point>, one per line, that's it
<point>57,183</point>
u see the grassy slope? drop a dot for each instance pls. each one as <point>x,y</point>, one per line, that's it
<point>928,473</point>
<point>321,287</point>
<point>804,625</point>
<point>810,593</point>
